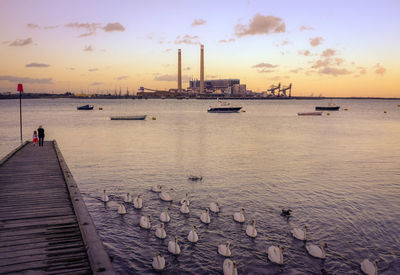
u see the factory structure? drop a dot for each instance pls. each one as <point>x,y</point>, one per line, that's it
<point>214,88</point>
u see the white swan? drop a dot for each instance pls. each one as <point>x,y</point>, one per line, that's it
<point>238,216</point>
<point>173,247</point>
<point>300,234</point>
<point>104,197</point>
<point>121,209</point>
<point>127,197</point>
<point>186,198</point>
<point>192,236</point>
<point>224,249</point>
<point>160,232</point>
<point>164,216</point>
<point>369,268</point>
<point>185,208</point>
<point>316,251</point>
<point>214,207</point>
<point>158,262</point>
<point>138,202</point>
<point>251,230</point>
<point>275,254</point>
<point>156,188</point>
<point>229,267</point>
<point>205,216</point>
<point>165,195</point>
<point>145,222</point>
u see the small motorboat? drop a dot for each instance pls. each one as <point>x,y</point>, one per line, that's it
<point>310,114</point>
<point>139,117</point>
<point>327,108</point>
<point>224,107</point>
<point>195,178</point>
<point>85,107</point>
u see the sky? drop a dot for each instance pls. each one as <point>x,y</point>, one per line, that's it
<point>329,48</point>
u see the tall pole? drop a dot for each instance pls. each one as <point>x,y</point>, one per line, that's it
<point>179,72</point>
<point>201,69</point>
<point>20,114</point>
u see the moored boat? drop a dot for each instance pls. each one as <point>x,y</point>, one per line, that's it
<point>85,107</point>
<point>310,114</point>
<point>224,107</point>
<point>138,117</point>
<point>327,108</point>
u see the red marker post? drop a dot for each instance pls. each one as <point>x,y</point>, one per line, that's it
<point>20,89</point>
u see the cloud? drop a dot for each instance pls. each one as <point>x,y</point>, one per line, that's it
<point>321,63</point>
<point>328,53</point>
<point>96,83</point>
<point>25,80</point>
<point>90,28</point>
<point>316,41</point>
<point>264,65</point>
<point>227,40</point>
<point>275,78</point>
<point>93,70</point>
<point>363,70</point>
<point>260,24</point>
<point>379,69</point>
<point>122,77</point>
<point>305,53</point>
<point>333,71</point>
<point>88,48</point>
<point>166,77</point>
<point>187,39</point>
<point>198,22</point>
<point>50,27</point>
<point>295,71</point>
<point>33,26</point>
<point>21,42</point>
<point>265,71</point>
<point>305,28</point>
<point>111,27</point>
<point>37,65</point>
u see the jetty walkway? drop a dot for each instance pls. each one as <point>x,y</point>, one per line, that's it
<point>45,227</point>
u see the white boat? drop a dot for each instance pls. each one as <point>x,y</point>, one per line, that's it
<point>139,117</point>
<point>224,107</point>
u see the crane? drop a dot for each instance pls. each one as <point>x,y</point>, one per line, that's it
<point>273,88</point>
<point>284,89</point>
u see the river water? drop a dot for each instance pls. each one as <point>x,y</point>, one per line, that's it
<point>339,173</point>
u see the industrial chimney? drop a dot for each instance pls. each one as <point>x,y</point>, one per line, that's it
<point>201,69</point>
<point>179,72</point>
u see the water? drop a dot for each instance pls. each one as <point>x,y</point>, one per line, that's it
<point>338,173</point>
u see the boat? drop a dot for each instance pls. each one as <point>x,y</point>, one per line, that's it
<point>138,117</point>
<point>195,178</point>
<point>327,108</point>
<point>310,114</point>
<point>85,107</point>
<point>224,107</point>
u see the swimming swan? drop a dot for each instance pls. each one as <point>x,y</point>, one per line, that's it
<point>127,197</point>
<point>104,197</point>
<point>186,198</point>
<point>193,237</point>
<point>121,209</point>
<point>275,254</point>
<point>369,268</point>
<point>160,232</point>
<point>224,250</point>
<point>205,217</point>
<point>185,208</point>
<point>214,207</point>
<point>238,216</point>
<point>300,234</point>
<point>138,202</point>
<point>158,262</point>
<point>145,222</point>
<point>229,267</point>
<point>156,188</point>
<point>251,230</point>
<point>164,216</point>
<point>316,251</point>
<point>166,196</point>
<point>173,247</point>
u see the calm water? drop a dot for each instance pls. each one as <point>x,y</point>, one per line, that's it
<point>340,174</point>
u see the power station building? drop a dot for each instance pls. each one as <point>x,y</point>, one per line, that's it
<point>221,86</point>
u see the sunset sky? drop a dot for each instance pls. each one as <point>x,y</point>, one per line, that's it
<point>333,48</point>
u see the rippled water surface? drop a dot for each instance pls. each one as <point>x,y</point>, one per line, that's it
<point>339,173</point>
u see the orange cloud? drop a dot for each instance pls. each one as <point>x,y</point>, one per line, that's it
<point>379,69</point>
<point>111,27</point>
<point>316,41</point>
<point>261,25</point>
<point>198,22</point>
<point>37,65</point>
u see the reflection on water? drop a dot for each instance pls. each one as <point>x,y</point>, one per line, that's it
<point>338,173</point>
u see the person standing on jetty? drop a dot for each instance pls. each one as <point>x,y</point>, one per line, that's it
<point>35,138</point>
<point>41,135</point>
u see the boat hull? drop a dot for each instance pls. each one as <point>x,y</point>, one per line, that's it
<point>327,108</point>
<point>128,117</point>
<point>310,114</point>
<point>85,107</point>
<point>224,109</point>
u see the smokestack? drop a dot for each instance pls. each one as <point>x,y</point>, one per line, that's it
<point>179,72</point>
<point>202,69</point>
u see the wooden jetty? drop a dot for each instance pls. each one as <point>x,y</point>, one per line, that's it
<point>45,227</point>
